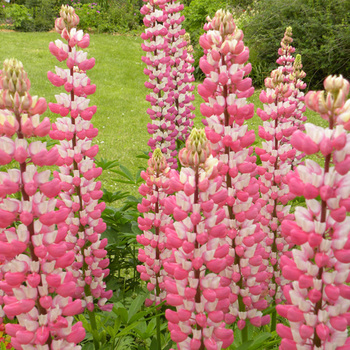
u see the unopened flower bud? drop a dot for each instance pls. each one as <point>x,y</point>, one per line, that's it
<point>157,163</point>
<point>197,149</point>
<point>333,84</point>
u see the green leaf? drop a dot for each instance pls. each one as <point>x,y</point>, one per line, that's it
<point>144,155</point>
<point>245,346</point>
<point>269,310</point>
<point>136,305</point>
<point>259,340</point>
<point>122,312</point>
<point>123,181</point>
<point>105,164</point>
<point>126,172</point>
<point>154,344</point>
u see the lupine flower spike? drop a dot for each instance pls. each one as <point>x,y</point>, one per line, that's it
<point>225,91</point>
<point>198,242</point>
<point>181,69</point>
<point>292,73</point>
<point>36,287</point>
<point>162,111</point>
<point>318,296</point>
<point>78,171</point>
<point>154,253</point>
<point>276,157</point>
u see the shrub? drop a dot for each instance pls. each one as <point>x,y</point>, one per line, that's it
<point>21,17</point>
<point>43,13</point>
<point>321,33</point>
<point>122,15</point>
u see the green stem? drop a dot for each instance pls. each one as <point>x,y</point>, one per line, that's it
<point>92,319</point>
<point>159,341</point>
<point>244,333</point>
<point>273,321</point>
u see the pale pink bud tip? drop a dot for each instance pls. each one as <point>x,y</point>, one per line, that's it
<point>197,149</point>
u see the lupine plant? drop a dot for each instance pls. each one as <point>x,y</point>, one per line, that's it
<point>36,285</point>
<point>77,171</point>
<point>182,69</point>
<point>276,156</point>
<point>292,73</point>
<point>161,97</point>
<point>225,91</point>
<point>199,248</point>
<point>153,224</point>
<point>169,68</point>
<point>297,79</point>
<point>318,297</point>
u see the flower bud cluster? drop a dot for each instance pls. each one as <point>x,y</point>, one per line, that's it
<point>36,287</point>
<point>318,298</point>
<point>197,150</point>
<point>169,68</point>
<point>285,51</point>
<point>225,91</point>
<point>197,240</point>
<point>181,69</point>
<point>153,224</point>
<point>331,104</point>
<point>77,169</point>
<point>68,19</point>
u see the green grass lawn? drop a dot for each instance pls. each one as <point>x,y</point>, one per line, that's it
<point>120,97</point>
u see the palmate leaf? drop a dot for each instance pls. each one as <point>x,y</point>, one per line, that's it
<point>110,197</point>
<point>144,155</point>
<point>128,177</point>
<point>106,164</point>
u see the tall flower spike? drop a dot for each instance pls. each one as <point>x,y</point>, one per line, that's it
<point>77,169</point>
<point>277,157</point>
<point>318,298</point>
<point>292,73</point>
<point>162,111</point>
<point>181,69</point>
<point>199,251</point>
<point>33,249</point>
<point>225,91</point>
<point>154,253</point>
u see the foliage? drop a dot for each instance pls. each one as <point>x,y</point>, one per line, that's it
<point>128,326</point>
<point>20,16</point>
<point>321,35</point>
<point>89,15</point>
<point>33,15</point>
<point>108,16</point>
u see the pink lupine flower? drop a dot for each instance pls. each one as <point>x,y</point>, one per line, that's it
<point>317,300</point>
<point>225,90</point>
<point>199,251</point>
<point>292,75</point>
<point>277,156</point>
<point>25,249</point>
<point>162,112</point>
<point>154,253</point>
<point>181,69</point>
<point>77,172</point>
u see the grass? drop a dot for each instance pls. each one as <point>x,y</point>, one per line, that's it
<point>120,97</point>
